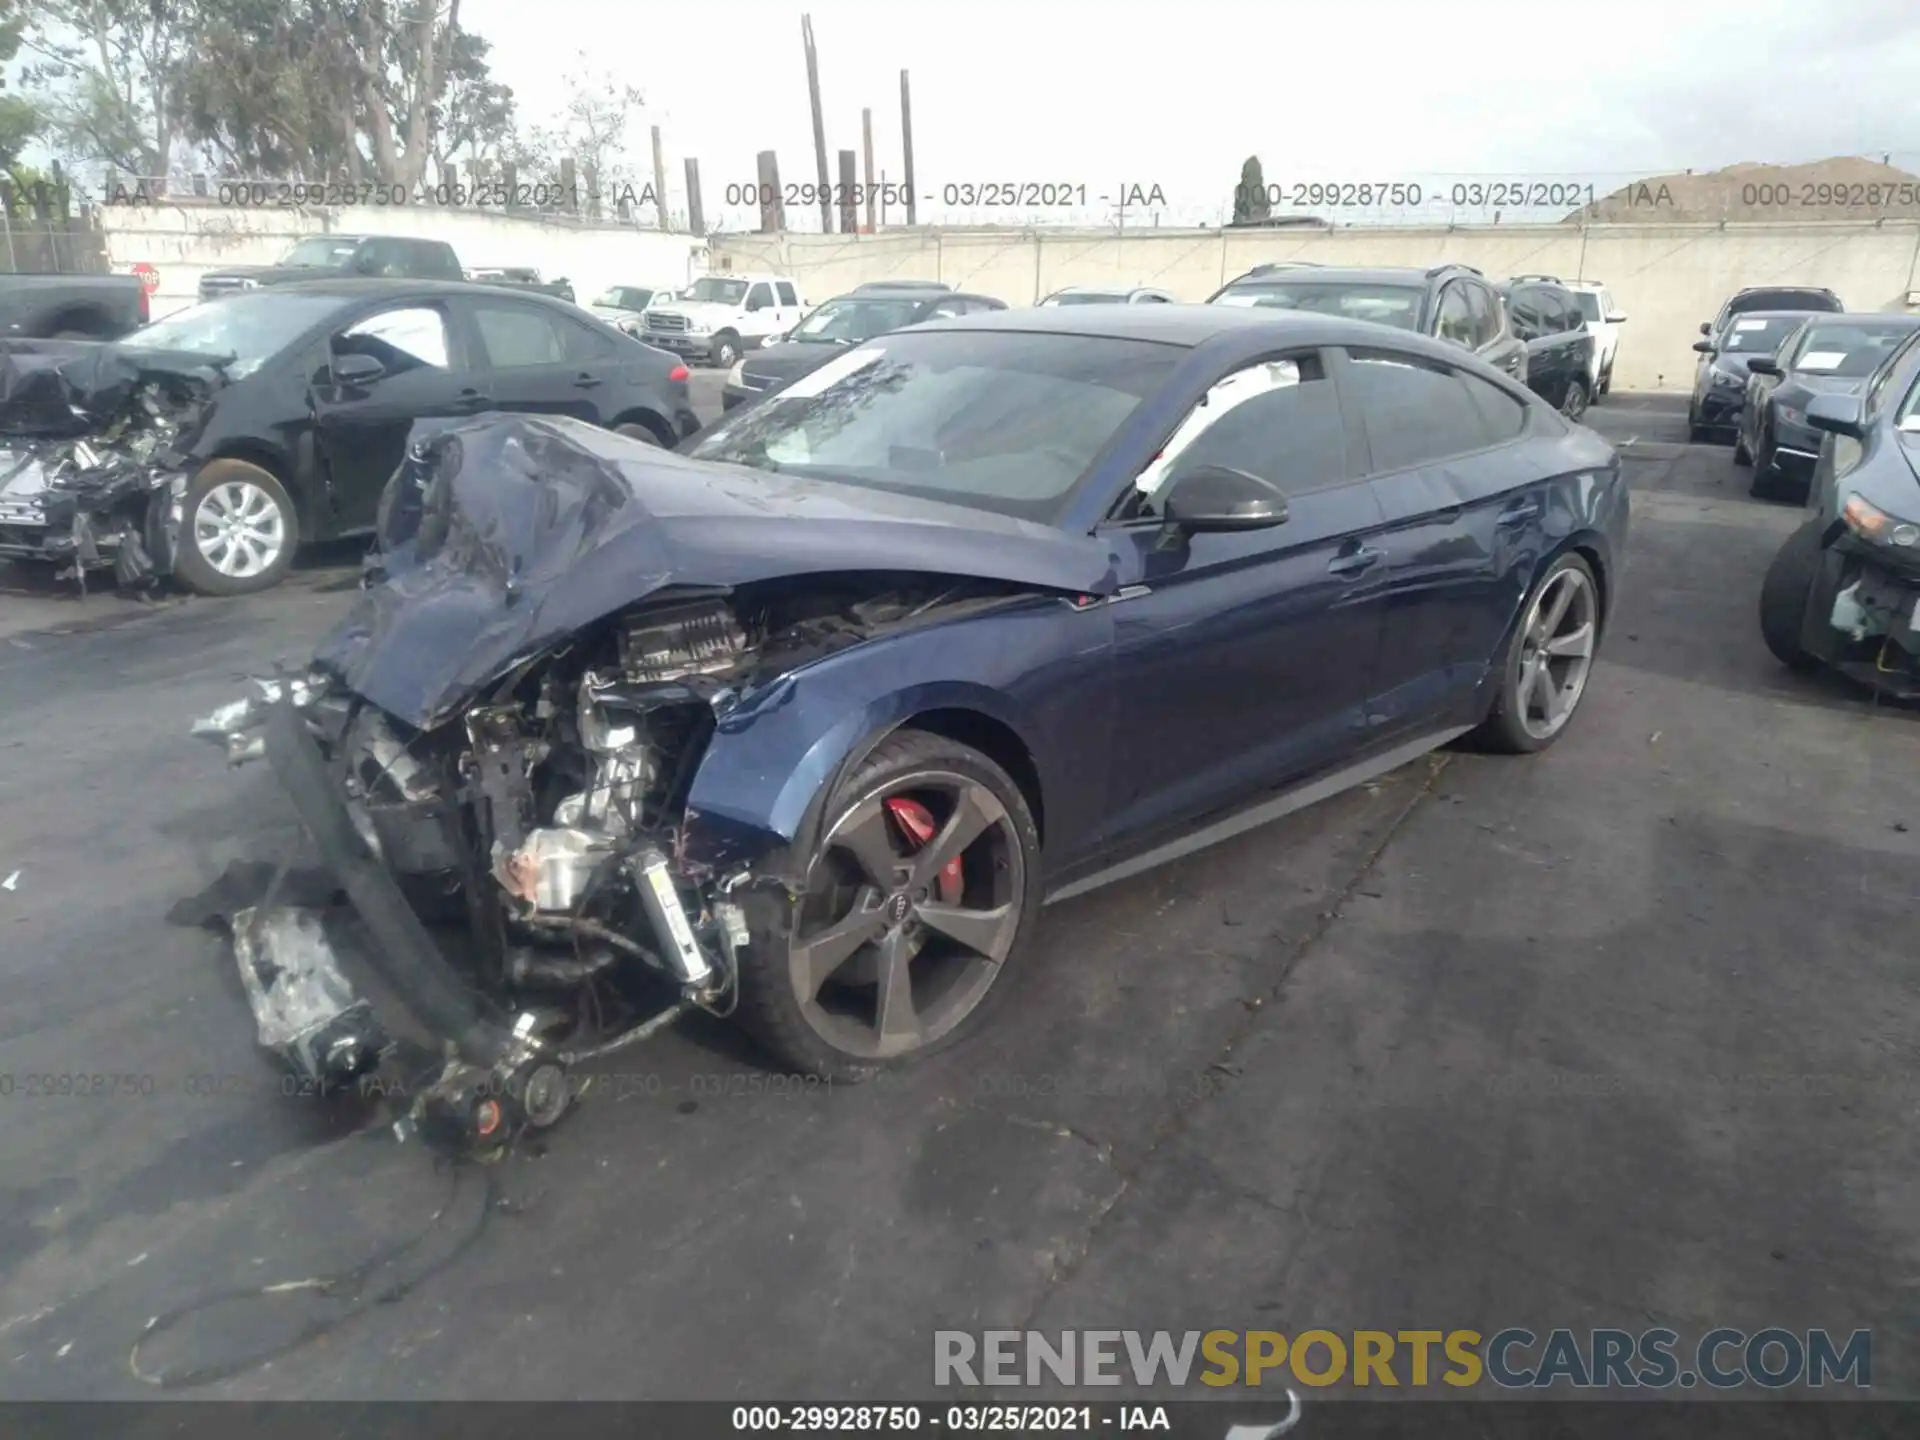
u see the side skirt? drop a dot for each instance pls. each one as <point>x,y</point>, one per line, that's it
<point>1299,798</point>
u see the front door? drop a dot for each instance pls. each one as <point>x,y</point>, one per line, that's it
<point>1464,514</point>
<point>362,426</point>
<point>1243,660</point>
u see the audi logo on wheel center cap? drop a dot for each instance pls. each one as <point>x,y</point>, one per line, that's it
<point>896,907</point>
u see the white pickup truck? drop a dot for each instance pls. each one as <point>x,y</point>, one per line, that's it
<point>719,317</point>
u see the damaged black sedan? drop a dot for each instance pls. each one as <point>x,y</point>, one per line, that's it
<point>213,443</point>
<point>1844,590</point>
<point>803,725</point>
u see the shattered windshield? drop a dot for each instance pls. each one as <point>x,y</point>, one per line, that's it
<point>244,331</point>
<point>1004,422</point>
<point>320,252</point>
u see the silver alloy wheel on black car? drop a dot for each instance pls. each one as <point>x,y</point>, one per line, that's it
<point>920,891</point>
<point>1542,673</point>
<point>1557,641</point>
<point>238,530</point>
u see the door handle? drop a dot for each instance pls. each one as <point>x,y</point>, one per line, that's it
<point>1355,561</point>
<point>584,381</point>
<point>470,400</point>
<point>1522,513</point>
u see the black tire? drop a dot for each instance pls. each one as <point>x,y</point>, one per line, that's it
<point>1573,403</point>
<point>1741,455</point>
<point>1502,732</point>
<point>769,1008</point>
<point>1605,388</point>
<point>633,430</point>
<point>1784,593</point>
<point>1765,484</point>
<point>725,350</point>
<point>194,569</point>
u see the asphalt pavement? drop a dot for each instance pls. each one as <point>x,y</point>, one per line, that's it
<point>1619,1035</point>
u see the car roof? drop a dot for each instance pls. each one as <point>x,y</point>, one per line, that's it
<point>1098,289</point>
<point>371,287</point>
<point>1186,325</point>
<point>1779,314</point>
<point>922,293</point>
<point>1877,318</point>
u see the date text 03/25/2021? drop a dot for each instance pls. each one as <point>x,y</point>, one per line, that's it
<point>954,194</point>
<point>346,194</point>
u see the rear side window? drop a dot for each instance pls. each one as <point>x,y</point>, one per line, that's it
<point>1484,306</point>
<point>787,297</point>
<point>1505,416</point>
<point>1416,410</point>
<point>1454,320</point>
<point>1283,425</point>
<point>1523,304</point>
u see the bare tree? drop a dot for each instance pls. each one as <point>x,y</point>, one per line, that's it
<point>100,72</point>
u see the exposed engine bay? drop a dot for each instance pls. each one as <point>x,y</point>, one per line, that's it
<point>529,850</point>
<point>88,479</point>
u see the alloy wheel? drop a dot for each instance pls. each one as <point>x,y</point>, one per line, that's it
<point>1556,653</point>
<point>239,529</point>
<point>900,937</point>
<point>1575,403</point>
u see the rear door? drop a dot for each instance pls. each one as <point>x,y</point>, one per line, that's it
<point>361,430</point>
<point>537,360</point>
<point>786,306</point>
<point>1243,660</point>
<point>1462,510</point>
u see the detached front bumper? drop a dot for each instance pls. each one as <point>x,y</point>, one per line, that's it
<point>125,518</point>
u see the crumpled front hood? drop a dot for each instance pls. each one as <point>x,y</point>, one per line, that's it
<point>507,534</point>
<point>64,388</point>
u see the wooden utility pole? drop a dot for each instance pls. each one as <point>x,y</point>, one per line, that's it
<point>866,136</point>
<point>696,210</point>
<point>773,213</point>
<point>906,141</point>
<point>849,194</point>
<point>819,126</point>
<point>659,180</point>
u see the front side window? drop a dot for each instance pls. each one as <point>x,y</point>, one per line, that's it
<point>1453,320</point>
<point>1484,306</point>
<point>1395,305</point>
<point>1278,419</point>
<point>993,420</point>
<point>410,338</point>
<point>760,296</point>
<point>1416,411</point>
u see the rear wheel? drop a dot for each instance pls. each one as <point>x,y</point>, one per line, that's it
<point>1741,455</point>
<point>1784,594</point>
<point>1766,469</point>
<point>1544,672</point>
<point>921,892</point>
<point>238,530</point>
<point>1574,403</point>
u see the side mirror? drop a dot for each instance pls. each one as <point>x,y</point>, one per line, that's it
<point>1706,327</point>
<point>1836,414</point>
<point>1616,319</point>
<point>1218,498</point>
<point>1705,347</point>
<point>356,369</point>
<point>1763,365</point>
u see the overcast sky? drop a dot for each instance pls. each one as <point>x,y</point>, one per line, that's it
<point>1179,95</point>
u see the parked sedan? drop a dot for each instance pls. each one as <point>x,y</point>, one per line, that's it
<point>871,310</point>
<point>286,411</point>
<point>812,716</point>
<point>1843,590</point>
<point>1560,364</point>
<point>1827,355</point>
<point>1720,379</point>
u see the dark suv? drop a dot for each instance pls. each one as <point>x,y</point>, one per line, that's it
<point>1547,318</point>
<point>326,257</point>
<point>1772,297</point>
<point>1451,302</point>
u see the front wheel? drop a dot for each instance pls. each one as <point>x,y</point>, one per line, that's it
<point>726,350</point>
<point>921,892</point>
<point>635,431</point>
<point>1574,403</point>
<point>1547,663</point>
<point>1784,595</point>
<point>238,530</point>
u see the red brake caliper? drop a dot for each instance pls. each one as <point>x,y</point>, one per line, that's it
<point>916,823</point>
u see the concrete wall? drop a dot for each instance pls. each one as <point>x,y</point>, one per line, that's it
<point>1666,278</point>
<point>183,241</point>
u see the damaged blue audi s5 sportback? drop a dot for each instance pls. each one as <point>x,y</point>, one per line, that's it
<point>811,717</point>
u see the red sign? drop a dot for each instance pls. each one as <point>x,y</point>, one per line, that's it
<point>149,277</point>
